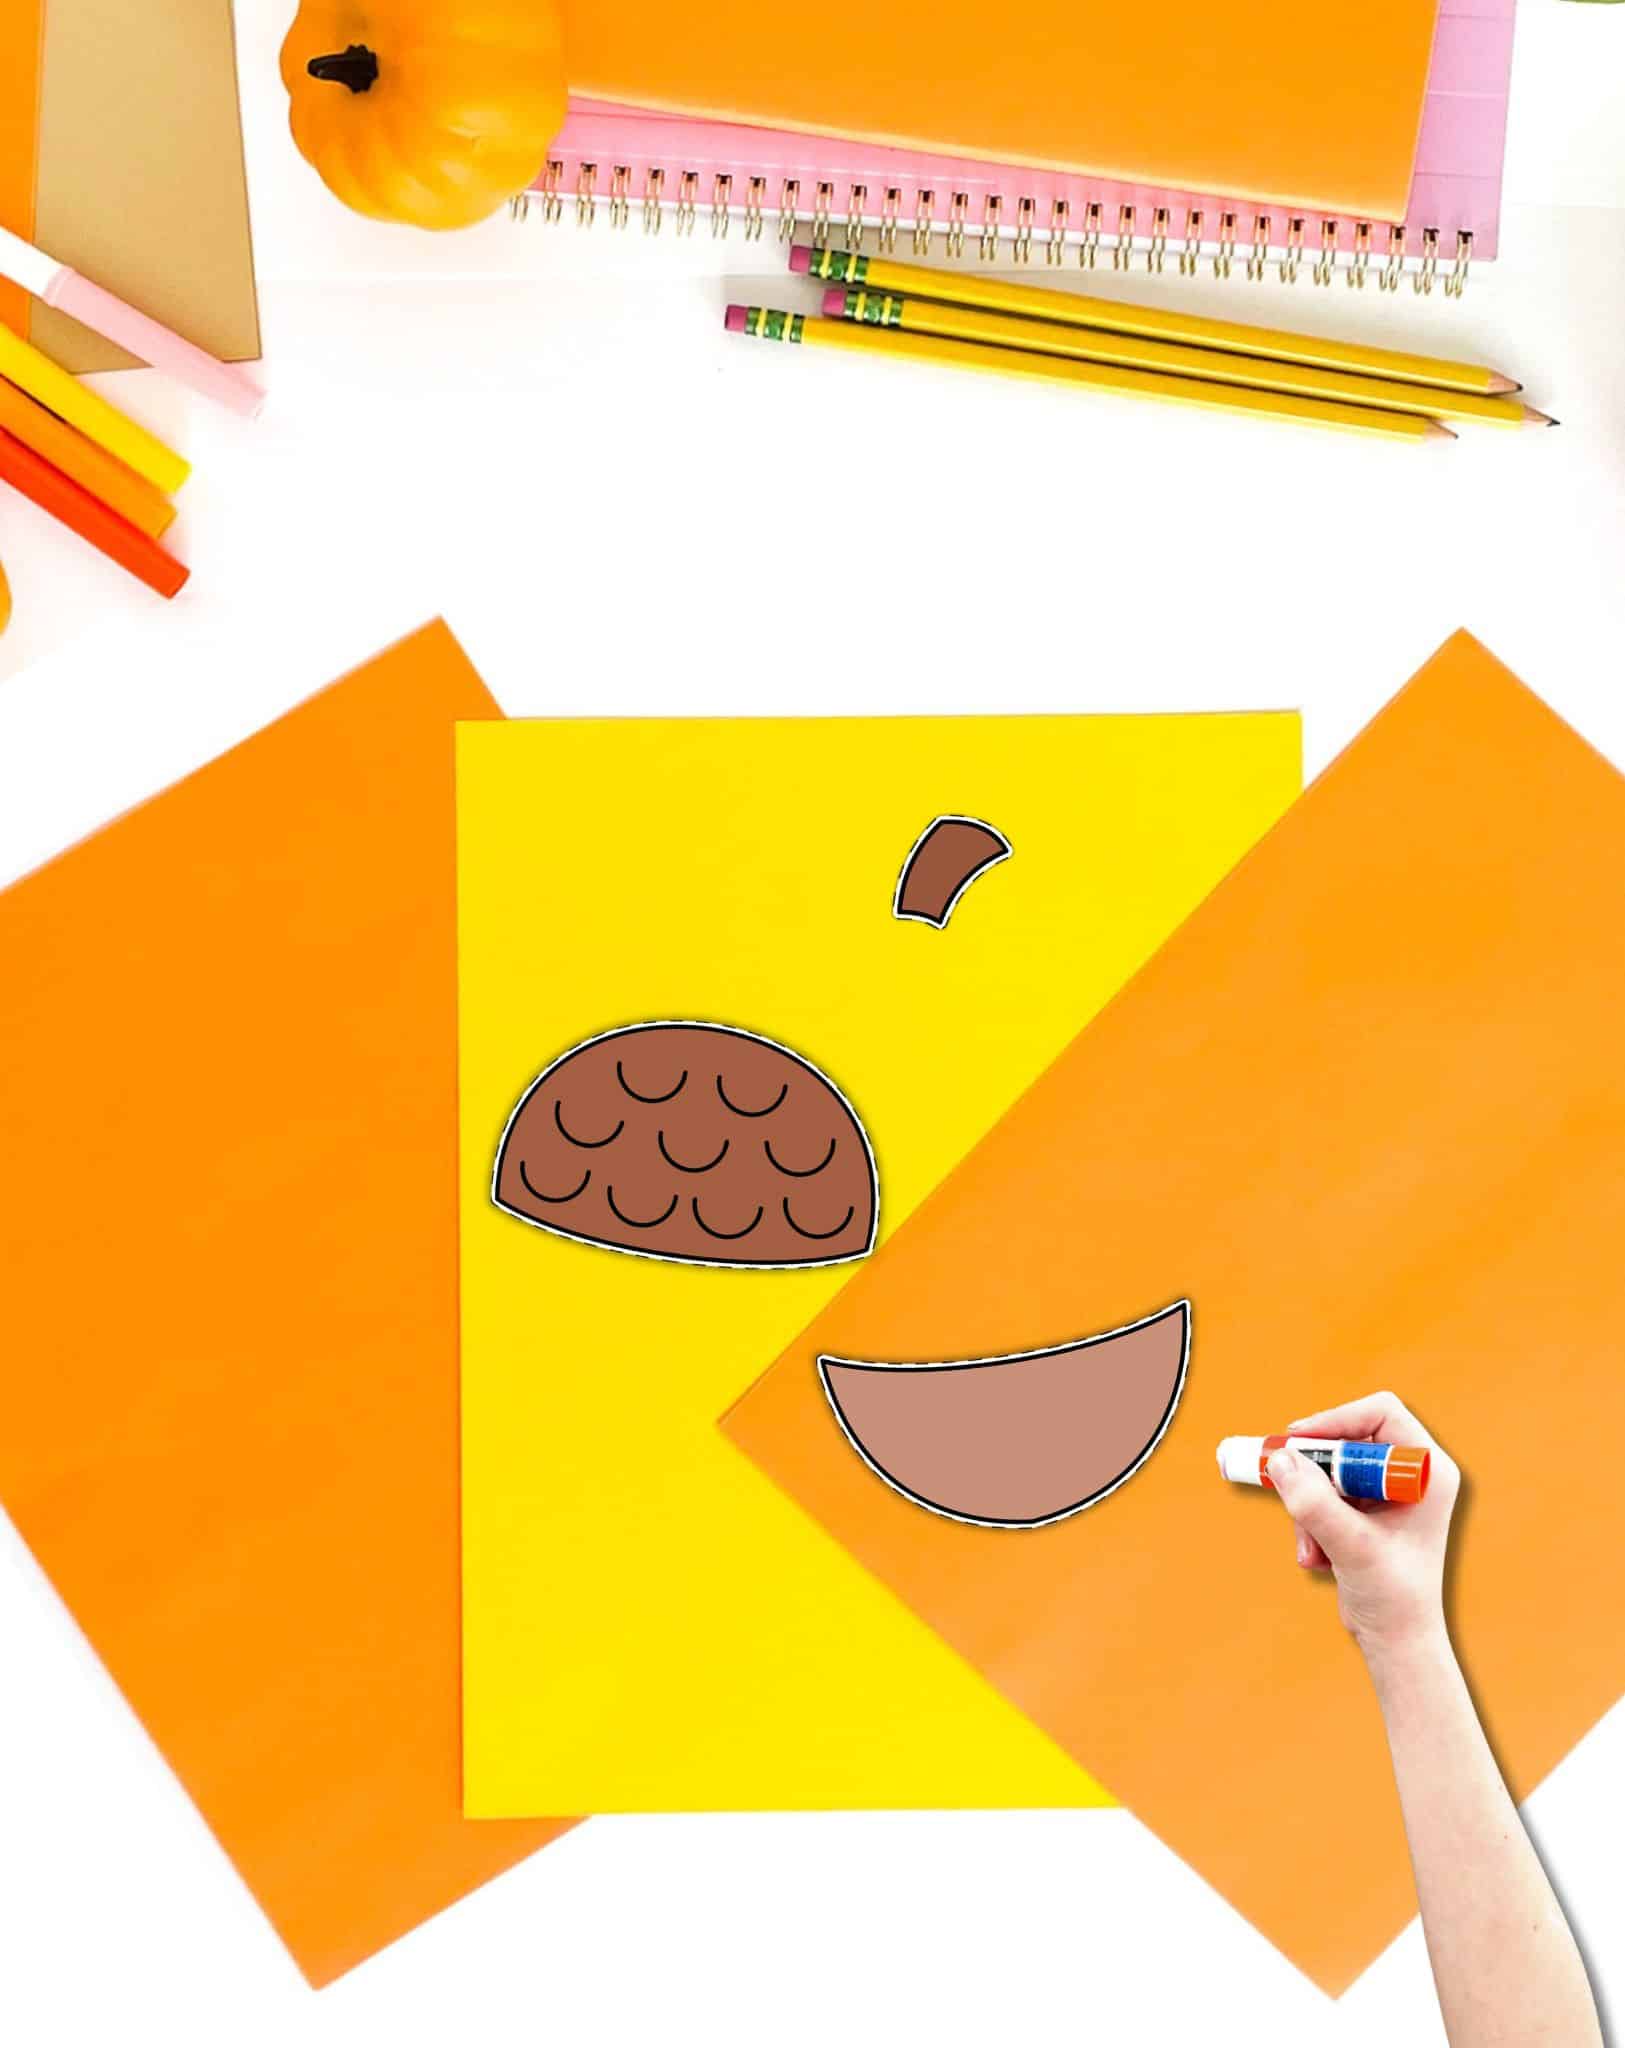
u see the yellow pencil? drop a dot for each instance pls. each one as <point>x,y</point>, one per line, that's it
<point>767,325</point>
<point>82,408</point>
<point>1155,323</point>
<point>1134,352</point>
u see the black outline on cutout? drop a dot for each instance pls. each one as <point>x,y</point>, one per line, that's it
<point>798,1172</point>
<point>660,1146</point>
<point>1181,1307</point>
<point>531,1188</point>
<point>636,1222</point>
<point>993,860</point>
<point>722,1097</point>
<point>585,1144</point>
<point>632,1251</point>
<point>813,1236</point>
<point>670,1095</point>
<point>732,1236</point>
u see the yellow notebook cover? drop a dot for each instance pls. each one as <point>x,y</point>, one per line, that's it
<point>1317,107</point>
<point>649,1624</point>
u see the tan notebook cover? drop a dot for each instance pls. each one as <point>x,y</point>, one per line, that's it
<point>1317,107</point>
<point>121,152</point>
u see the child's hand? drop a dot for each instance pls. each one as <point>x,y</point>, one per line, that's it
<point>1388,1561</point>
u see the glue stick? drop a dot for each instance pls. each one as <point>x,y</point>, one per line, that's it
<point>1359,1471</point>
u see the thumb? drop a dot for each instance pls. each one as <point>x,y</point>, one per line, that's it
<point>1314,1504</point>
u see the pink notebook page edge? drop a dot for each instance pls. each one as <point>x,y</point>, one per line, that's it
<point>605,154</point>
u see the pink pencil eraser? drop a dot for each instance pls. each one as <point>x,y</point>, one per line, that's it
<point>801,259</point>
<point>835,302</point>
<point>736,318</point>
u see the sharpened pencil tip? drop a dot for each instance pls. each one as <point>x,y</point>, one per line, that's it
<point>1438,431</point>
<point>1500,386</point>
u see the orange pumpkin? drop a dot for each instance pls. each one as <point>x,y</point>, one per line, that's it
<point>432,112</point>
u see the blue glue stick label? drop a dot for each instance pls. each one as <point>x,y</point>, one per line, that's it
<point>1358,1470</point>
<point>1361,1471</point>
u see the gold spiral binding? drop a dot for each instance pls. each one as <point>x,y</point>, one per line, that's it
<point>1089,247</point>
<point>1381,249</point>
<point>1055,247</point>
<point>552,188</point>
<point>890,207</point>
<point>957,209</point>
<point>1430,261</point>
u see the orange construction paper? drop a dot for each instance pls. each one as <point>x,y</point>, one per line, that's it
<point>228,1292</point>
<point>1316,107</point>
<point>1366,1109</point>
<point>22,30</point>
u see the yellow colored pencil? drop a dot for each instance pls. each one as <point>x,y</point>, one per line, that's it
<point>1155,323</point>
<point>83,408</point>
<point>77,456</point>
<point>1135,352</point>
<point>765,324</point>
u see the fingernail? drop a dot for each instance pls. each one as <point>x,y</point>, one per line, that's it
<point>1297,1422</point>
<point>1280,1465</point>
<point>1303,1550</point>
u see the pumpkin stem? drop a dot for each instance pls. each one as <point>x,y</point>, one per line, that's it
<point>356,67</point>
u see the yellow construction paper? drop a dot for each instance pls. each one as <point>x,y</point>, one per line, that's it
<point>648,1623</point>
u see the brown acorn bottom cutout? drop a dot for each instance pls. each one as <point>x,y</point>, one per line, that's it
<point>1018,1441</point>
<point>692,1142</point>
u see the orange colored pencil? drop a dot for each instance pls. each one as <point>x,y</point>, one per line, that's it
<point>78,457</point>
<point>89,517</point>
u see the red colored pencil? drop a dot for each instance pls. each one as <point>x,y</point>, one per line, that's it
<point>89,518</point>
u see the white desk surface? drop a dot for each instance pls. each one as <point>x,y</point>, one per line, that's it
<point>545,435</point>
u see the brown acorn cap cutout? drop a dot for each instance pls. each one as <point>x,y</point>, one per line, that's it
<point>942,863</point>
<point>698,1143</point>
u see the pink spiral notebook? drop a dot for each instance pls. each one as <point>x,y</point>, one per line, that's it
<point>614,160</point>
